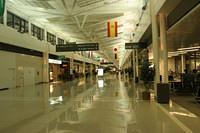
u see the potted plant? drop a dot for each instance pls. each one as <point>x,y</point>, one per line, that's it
<point>147,74</point>
<point>126,70</point>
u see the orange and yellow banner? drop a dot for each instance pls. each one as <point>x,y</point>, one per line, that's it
<point>112,29</point>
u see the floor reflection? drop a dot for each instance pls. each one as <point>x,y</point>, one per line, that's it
<point>104,105</point>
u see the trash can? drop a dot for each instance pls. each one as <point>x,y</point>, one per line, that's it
<point>163,93</point>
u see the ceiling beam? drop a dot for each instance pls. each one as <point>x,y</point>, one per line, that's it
<point>84,21</point>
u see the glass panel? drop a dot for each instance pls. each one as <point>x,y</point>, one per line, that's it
<point>10,20</point>
<point>26,26</point>
<point>37,32</point>
<point>17,23</point>
<point>60,41</point>
<point>51,38</point>
<point>22,26</point>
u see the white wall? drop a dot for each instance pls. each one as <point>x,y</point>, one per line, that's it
<point>7,70</point>
<point>13,66</point>
<point>27,61</point>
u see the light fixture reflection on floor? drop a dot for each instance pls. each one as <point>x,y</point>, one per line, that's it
<point>56,100</point>
<point>183,114</point>
<point>100,84</point>
<point>189,48</point>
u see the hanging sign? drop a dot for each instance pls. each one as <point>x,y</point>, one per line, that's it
<point>134,45</point>
<point>106,63</point>
<point>52,61</point>
<point>61,57</point>
<point>77,47</point>
<point>2,7</point>
<point>71,43</point>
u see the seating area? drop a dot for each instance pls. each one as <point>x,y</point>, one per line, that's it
<point>189,84</point>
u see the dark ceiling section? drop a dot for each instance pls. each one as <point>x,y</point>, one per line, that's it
<point>77,61</point>
<point>52,56</point>
<point>147,36</point>
<point>181,10</point>
<point>20,50</point>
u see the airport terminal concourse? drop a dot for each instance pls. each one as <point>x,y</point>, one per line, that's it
<point>99,66</point>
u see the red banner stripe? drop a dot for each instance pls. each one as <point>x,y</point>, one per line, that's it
<point>108,29</point>
<point>116,29</point>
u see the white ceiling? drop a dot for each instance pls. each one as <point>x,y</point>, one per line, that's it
<point>86,20</point>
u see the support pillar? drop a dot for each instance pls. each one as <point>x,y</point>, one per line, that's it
<point>84,75</point>
<point>29,27</point>
<point>155,41</point>
<point>91,67</point>
<point>45,34</point>
<point>46,67</point>
<point>163,44</point>
<point>182,63</point>
<point>5,14</point>
<point>137,64</point>
<point>134,66</point>
<point>71,66</point>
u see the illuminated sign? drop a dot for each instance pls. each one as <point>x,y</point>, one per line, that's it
<point>64,65</point>
<point>52,61</point>
<point>134,45</point>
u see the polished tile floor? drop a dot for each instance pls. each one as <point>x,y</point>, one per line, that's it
<point>104,105</point>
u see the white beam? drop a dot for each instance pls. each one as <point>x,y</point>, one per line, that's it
<point>84,20</point>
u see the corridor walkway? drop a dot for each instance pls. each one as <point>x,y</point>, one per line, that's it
<point>89,107</point>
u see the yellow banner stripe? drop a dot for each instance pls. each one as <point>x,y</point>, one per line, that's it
<point>112,29</point>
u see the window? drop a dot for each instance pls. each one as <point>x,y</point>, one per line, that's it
<point>37,32</point>
<point>51,38</point>
<point>60,41</point>
<point>17,23</point>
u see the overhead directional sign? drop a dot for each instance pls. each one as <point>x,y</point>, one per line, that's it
<point>71,42</point>
<point>106,63</point>
<point>61,57</point>
<point>77,47</point>
<point>134,45</point>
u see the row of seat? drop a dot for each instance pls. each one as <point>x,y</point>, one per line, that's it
<point>190,84</point>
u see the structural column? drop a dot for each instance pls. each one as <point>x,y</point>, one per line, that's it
<point>29,27</point>
<point>155,41</point>
<point>134,66</point>
<point>84,69</point>
<point>71,66</point>
<point>163,46</point>
<point>45,67</point>
<point>5,14</point>
<point>91,67</point>
<point>137,64</point>
<point>182,63</point>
